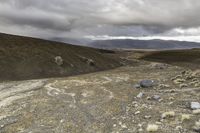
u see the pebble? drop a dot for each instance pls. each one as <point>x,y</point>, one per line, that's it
<point>148,98</point>
<point>196,112</point>
<point>179,81</point>
<point>137,86</point>
<point>183,85</point>
<point>147,116</point>
<point>140,95</point>
<point>138,112</point>
<point>147,83</point>
<point>196,128</point>
<point>171,98</point>
<point>178,128</point>
<point>152,128</point>
<point>140,130</point>
<point>195,105</point>
<point>156,97</point>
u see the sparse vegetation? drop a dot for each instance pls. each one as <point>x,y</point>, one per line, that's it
<point>30,58</point>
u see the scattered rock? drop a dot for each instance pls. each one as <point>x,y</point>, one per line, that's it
<point>179,81</point>
<point>183,85</point>
<point>90,62</point>
<point>148,98</point>
<point>147,83</point>
<point>164,86</point>
<point>152,128</point>
<point>196,112</point>
<point>179,128</point>
<point>58,60</point>
<point>177,77</point>
<point>156,97</point>
<point>168,114</point>
<point>87,60</point>
<point>196,128</point>
<point>171,98</point>
<point>137,86</point>
<point>195,105</point>
<point>147,117</point>
<point>140,95</point>
<point>140,130</point>
<point>159,66</point>
<point>138,112</point>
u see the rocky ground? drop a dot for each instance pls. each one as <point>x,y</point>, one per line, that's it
<point>110,101</point>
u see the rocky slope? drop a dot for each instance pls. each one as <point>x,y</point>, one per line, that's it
<point>110,101</point>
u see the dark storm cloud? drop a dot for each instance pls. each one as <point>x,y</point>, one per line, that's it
<point>77,18</point>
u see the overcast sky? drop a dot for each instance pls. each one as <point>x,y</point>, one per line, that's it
<point>102,19</point>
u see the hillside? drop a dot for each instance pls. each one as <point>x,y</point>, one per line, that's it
<point>183,58</point>
<point>30,58</point>
<point>143,44</point>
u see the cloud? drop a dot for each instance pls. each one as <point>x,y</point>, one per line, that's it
<point>79,18</point>
<point>174,38</point>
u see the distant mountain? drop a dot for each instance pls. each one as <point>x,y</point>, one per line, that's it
<point>143,44</point>
<point>30,58</point>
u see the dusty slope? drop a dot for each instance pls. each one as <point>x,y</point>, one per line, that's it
<point>104,102</point>
<point>30,58</point>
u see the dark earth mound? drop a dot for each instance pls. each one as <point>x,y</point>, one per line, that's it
<point>29,58</point>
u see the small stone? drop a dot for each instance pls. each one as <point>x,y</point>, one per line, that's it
<point>164,86</point>
<point>147,83</point>
<point>148,98</point>
<point>152,128</point>
<point>140,95</point>
<point>137,86</point>
<point>156,97</point>
<point>168,114</point>
<point>138,112</point>
<point>179,81</point>
<point>58,60</point>
<point>178,128</point>
<point>183,85</point>
<point>172,91</point>
<point>158,123</point>
<point>195,105</point>
<point>196,112</point>
<point>196,128</point>
<point>171,98</point>
<point>123,126</point>
<point>114,125</point>
<point>140,130</point>
<point>147,116</point>
<point>178,76</point>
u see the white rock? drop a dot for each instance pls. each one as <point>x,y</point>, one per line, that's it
<point>168,114</point>
<point>152,128</point>
<point>195,105</point>
<point>140,95</point>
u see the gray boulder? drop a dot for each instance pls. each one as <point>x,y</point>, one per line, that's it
<point>147,83</point>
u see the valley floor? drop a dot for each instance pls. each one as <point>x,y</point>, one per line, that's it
<point>106,101</point>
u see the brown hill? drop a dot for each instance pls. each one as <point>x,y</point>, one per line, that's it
<point>29,58</point>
